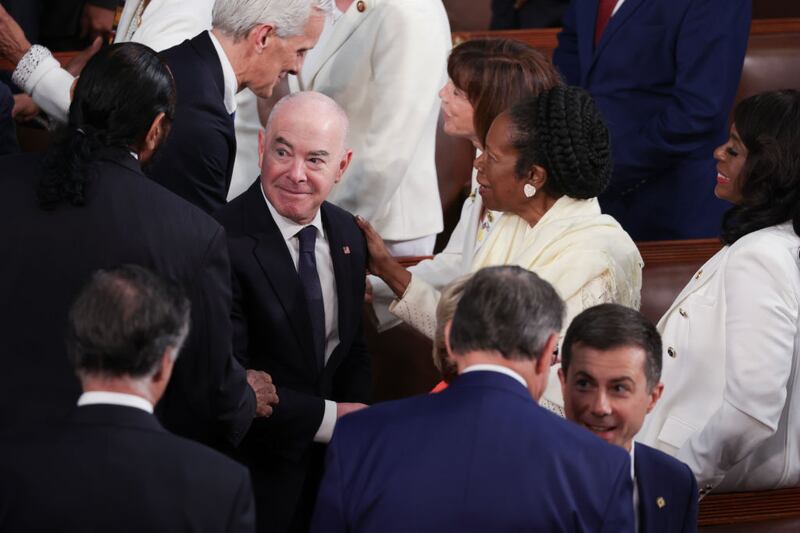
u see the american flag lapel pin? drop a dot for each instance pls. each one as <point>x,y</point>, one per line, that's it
<point>346,250</point>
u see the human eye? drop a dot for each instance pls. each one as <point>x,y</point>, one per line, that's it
<point>582,384</point>
<point>730,150</point>
<point>281,152</point>
<point>620,389</point>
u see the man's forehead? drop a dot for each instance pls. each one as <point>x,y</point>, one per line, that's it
<point>306,140</point>
<point>614,363</point>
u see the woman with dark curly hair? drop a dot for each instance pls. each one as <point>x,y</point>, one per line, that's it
<point>545,161</point>
<point>732,337</point>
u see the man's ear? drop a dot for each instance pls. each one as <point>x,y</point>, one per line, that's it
<point>447,327</point>
<point>343,164</point>
<point>260,37</point>
<point>655,394</point>
<point>153,138</point>
<point>262,147</point>
<point>545,360</point>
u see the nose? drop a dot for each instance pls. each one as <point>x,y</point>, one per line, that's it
<point>719,152</point>
<point>478,163</point>
<point>600,404</point>
<point>443,92</point>
<point>297,171</point>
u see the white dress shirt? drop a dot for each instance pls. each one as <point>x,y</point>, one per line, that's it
<point>500,369</point>
<point>330,302</point>
<point>228,76</point>
<point>115,398</point>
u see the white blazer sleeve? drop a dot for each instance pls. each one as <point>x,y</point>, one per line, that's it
<point>417,307</point>
<point>761,289</point>
<point>170,22</point>
<point>40,75</point>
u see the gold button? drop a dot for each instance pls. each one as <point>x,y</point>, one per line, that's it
<point>671,352</point>
<point>361,6</point>
<point>661,502</point>
<point>683,312</point>
<point>699,273</point>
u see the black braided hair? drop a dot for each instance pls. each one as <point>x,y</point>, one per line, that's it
<point>561,130</point>
<point>120,92</point>
<point>769,126</point>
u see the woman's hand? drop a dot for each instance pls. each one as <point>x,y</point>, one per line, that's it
<point>380,261</point>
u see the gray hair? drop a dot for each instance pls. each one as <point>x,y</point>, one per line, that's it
<point>324,103</point>
<point>236,18</point>
<point>506,309</point>
<point>124,320</point>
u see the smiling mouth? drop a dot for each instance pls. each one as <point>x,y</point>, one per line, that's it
<point>722,178</point>
<point>599,429</point>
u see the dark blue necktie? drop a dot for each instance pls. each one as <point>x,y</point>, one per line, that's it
<point>307,269</point>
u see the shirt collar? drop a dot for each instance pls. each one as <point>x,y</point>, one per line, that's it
<point>633,475</point>
<point>115,398</point>
<point>496,368</point>
<point>289,227</point>
<point>228,75</point>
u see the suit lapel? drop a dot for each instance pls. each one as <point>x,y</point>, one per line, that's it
<point>276,263</point>
<point>342,30</point>
<point>623,14</point>
<point>700,278</point>
<point>343,272</point>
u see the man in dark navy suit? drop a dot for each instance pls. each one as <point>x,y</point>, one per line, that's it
<point>112,465</point>
<point>299,266</point>
<point>610,375</point>
<point>664,74</point>
<point>481,455</point>
<point>247,48</point>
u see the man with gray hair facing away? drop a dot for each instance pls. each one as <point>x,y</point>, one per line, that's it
<point>115,468</point>
<point>252,44</point>
<point>480,455</point>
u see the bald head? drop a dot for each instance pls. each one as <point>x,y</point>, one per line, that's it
<point>312,108</point>
<point>303,154</point>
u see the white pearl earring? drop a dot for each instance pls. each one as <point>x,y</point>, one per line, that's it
<point>529,190</point>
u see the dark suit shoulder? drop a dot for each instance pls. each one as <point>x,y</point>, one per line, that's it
<point>665,464</point>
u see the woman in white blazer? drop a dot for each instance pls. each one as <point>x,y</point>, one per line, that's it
<point>487,76</point>
<point>732,337</point>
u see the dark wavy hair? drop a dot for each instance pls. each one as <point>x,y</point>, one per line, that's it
<point>120,92</point>
<point>769,126</point>
<point>562,131</point>
<point>497,73</point>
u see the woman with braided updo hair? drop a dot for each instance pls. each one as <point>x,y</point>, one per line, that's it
<point>544,163</point>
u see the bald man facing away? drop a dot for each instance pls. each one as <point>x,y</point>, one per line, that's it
<point>298,286</point>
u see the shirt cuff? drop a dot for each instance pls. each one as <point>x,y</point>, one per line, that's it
<point>325,431</point>
<point>33,65</point>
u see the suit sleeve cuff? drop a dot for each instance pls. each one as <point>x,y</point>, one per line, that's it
<point>325,431</point>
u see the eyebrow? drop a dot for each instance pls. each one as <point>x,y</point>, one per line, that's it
<point>281,140</point>
<point>319,153</point>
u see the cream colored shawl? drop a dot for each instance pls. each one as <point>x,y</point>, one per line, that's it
<point>570,246</point>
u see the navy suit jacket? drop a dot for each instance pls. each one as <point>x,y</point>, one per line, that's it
<point>479,456</point>
<point>661,479</point>
<point>272,333</point>
<point>196,160</point>
<point>114,468</point>
<point>664,76</point>
<point>49,255</point>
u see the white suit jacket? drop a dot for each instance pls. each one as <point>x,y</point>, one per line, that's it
<point>385,65</point>
<point>731,365</point>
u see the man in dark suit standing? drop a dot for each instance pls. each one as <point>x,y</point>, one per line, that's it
<point>114,466</point>
<point>610,375</point>
<point>252,45</point>
<point>85,205</point>
<point>664,74</point>
<point>481,455</point>
<point>299,266</point>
